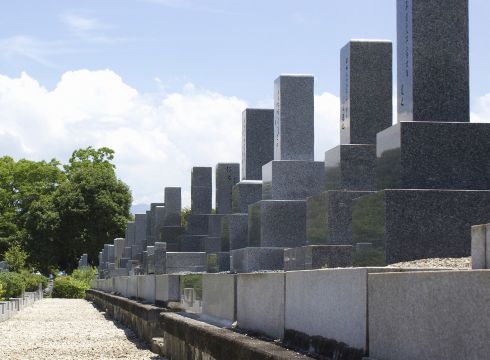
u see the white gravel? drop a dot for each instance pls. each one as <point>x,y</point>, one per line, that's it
<point>68,329</point>
<point>454,263</point>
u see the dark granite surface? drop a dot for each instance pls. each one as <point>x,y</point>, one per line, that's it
<point>234,232</point>
<point>434,155</point>
<point>198,224</point>
<point>246,192</point>
<point>190,243</point>
<point>329,217</point>
<point>294,117</point>
<point>407,225</point>
<point>201,190</point>
<point>283,223</point>
<point>148,223</point>
<point>257,141</point>
<point>227,175</point>
<point>152,214</point>
<point>218,262</point>
<point>254,224</point>
<point>159,218</point>
<point>433,60</point>
<point>214,224</point>
<point>130,233</point>
<point>210,245</point>
<point>173,206</point>
<point>317,257</point>
<point>292,180</point>
<point>255,259</point>
<point>351,167</point>
<point>366,94</point>
<point>169,234</point>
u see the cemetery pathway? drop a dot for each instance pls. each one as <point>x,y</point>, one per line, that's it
<point>68,329</point>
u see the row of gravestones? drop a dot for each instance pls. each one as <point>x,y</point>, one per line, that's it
<point>388,193</point>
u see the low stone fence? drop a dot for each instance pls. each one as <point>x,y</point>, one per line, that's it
<point>12,306</point>
<point>348,313</point>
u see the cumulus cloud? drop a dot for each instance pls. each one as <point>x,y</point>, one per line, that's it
<point>482,110</point>
<point>157,138</point>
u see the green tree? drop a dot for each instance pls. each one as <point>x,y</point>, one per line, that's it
<point>22,183</point>
<point>16,258</point>
<point>81,215</point>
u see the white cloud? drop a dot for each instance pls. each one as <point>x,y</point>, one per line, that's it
<point>156,142</point>
<point>482,113</point>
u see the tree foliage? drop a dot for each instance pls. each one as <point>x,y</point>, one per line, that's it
<point>16,258</point>
<point>58,215</point>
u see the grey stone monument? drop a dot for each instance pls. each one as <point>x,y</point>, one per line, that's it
<point>246,192</point>
<point>152,209</point>
<point>257,143</point>
<point>227,175</point>
<point>366,93</point>
<point>433,60</point>
<point>130,238</point>
<point>201,190</point>
<point>173,206</point>
<point>160,258</point>
<point>159,218</point>
<point>234,232</point>
<point>119,244</point>
<point>140,228</point>
<point>293,117</point>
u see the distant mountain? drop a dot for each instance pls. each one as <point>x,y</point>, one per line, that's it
<point>139,208</point>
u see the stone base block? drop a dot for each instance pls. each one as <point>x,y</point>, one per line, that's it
<point>433,155</point>
<point>198,224</point>
<point>123,262</point>
<point>292,180</point>
<point>234,232</point>
<point>222,307</point>
<point>182,261</point>
<point>283,223</point>
<point>169,234</point>
<point>214,225</point>
<point>218,262</point>
<point>317,257</point>
<point>407,225</point>
<point>329,217</point>
<point>255,259</point>
<point>118,272</point>
<point>245,193</point>
<point>190,243</point>
<point>351,167</point>
<point>210,245</point>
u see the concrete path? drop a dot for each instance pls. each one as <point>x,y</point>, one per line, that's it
<point>68,329</point>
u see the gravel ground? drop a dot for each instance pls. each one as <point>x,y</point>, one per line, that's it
<point>454,263</point>
<point>68,329</point>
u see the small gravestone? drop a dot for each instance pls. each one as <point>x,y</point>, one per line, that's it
<point>152,214</point>
<point>160,258</point>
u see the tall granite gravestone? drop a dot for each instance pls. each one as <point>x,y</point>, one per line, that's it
<point>160,258</point>
<point>173,206</point>
<point>201,201</point>
<point>365,109</point>
<point>130,238</point>
<point>150,239</point>
<point>227,175</point>
<point>152,210</point>
<point>287,180</point>
<point>84,260</point>
<point>257,147</point>
<point>171,228</point>
<point>432,162</point>
<point>140,228</point>
<point>433,60</point>
<point>119,245</point>
<point>159,218</point>
<point>350,168</point>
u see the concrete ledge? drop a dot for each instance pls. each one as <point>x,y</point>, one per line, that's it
<point>142,318</point>
<point>185,338</point>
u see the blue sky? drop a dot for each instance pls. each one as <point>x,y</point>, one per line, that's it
<point>164,82</point>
